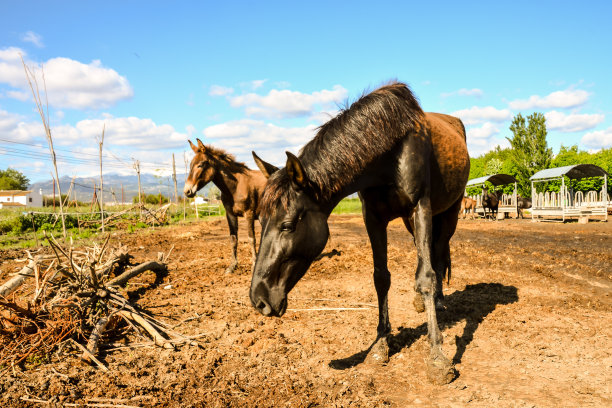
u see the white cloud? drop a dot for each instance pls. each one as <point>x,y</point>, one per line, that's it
<point>484,138</point>
<point>288,104</point>
<point>33,38</point>
<point>559,99</point>
<point>258,83</point>
<point>573,122</point>
<point>476,115</point>
<point>240,137</point>
<point>475,92</point>
<point>12,127</point>
<point>218,90</point>
<point>484,132</point>
<point>69,83</point>
<point>141,133</point>
<point>599,139</point>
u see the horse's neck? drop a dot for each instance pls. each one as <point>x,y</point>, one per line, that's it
<point>225,180</point>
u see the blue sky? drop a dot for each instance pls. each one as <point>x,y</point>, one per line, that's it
<point>263,75</point>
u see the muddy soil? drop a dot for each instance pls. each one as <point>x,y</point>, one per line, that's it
<point>528,323</point>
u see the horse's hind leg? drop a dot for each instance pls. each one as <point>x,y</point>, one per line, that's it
<point>440,370</point>
<point>250,218</point>
<point>232,222</point>
<point>443,226</point>
<point>418,303</point>
<point>377,232</point>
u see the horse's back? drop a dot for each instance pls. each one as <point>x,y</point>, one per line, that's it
<point>451,167</point>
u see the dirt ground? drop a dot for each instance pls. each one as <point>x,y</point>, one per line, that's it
<point>528,324</point>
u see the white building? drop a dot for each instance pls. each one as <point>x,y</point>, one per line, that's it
<point>20,199</point>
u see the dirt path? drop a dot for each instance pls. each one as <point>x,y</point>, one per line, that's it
<point>528,323</point>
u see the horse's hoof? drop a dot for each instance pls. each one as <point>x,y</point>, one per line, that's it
<point>440,370</point>
<point>419,304</point>
<point>379,352</point>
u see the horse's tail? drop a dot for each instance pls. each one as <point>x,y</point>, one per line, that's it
<point>447,269</point>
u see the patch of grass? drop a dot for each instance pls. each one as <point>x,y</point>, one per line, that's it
<point>348,206</point>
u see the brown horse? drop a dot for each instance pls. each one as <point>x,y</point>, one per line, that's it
<point>491,201</point>
<point>468,206</point>
<point>241,190</point>
<point>404,163</point>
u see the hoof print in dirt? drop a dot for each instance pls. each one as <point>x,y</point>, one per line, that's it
<point>440,371</point>
<point>379,352</point>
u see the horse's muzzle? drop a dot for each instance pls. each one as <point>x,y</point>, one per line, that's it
<point>266,303</point>
<point>190,191</point>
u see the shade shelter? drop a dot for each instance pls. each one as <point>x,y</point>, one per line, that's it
<point>566,203</point>
<point>508,202</point>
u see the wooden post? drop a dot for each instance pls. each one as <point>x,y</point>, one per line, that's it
<point>102,180</point>
<point>515,198</point>
<point>174,179</point>
<point>53,193</point>
<point>94,199</point>
<point>605,197</point>
<point>137,167</point>
<point>563,195</point>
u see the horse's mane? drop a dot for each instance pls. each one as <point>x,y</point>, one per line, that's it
<point>224,159</point>
<point>349,142</point>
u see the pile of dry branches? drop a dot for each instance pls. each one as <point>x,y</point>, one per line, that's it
<point>136,213</point>
<point>76,296</point>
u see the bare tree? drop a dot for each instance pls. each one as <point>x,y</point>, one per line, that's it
<point>45,120</point>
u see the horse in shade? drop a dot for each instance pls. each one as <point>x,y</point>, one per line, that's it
<point>522,203</point>
<point>241,190</point>
<point>490,201</point>
<point>404,163</point>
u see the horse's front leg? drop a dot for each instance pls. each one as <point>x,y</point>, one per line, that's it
<point>377,232</point>
<point>440,369</point>
<point>232,222</point>
<point>250,217</point>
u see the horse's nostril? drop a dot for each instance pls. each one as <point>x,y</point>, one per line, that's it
<point>263,307</point>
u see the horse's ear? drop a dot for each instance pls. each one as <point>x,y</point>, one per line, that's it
<point>296,172</point>
<point>193,147</point>
<point>266,168</point>
<point>201,145</point>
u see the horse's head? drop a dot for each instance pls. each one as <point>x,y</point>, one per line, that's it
<point>294,231</point>
<point>201,171</point>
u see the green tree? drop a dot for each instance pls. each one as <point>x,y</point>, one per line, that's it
<point>11,179</point>
<point>493,166</point>
<point>495,161</point>
<point>530,151</point>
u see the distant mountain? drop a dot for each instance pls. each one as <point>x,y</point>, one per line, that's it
<point>117,184</point>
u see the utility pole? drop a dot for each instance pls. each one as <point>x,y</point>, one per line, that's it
<point>53,194</point>
<point>102,180</point>
<point>174,178</point>
<point>137,167</point>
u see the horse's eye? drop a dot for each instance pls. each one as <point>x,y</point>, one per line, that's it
<point>287,226</point>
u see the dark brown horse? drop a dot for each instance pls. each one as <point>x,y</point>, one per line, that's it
<point>404,163</point>
<point>490,201</point>
<point>522,203</point>
<point>241,189</point>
